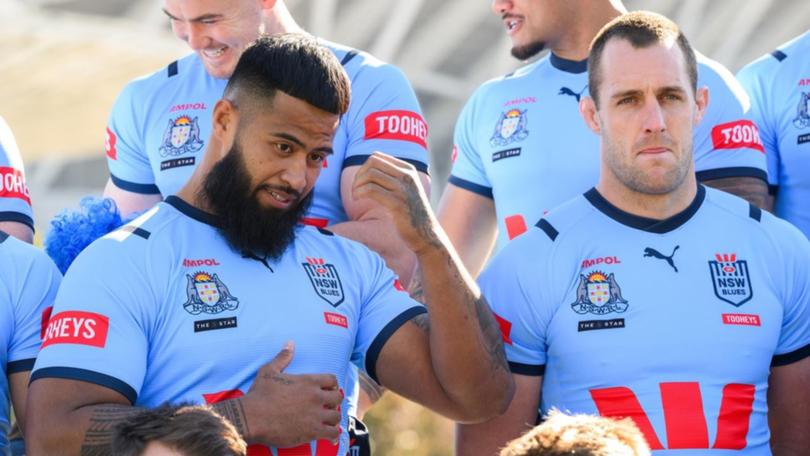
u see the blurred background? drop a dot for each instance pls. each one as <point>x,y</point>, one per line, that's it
<point>64,62</point>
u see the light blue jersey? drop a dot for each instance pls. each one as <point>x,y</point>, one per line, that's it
<point>521,141</point>
<point>15,200</point>
<point>779,87</point>
<point>28,284</point>
<point>674,323</point>
<point>160,124</point>
<point>182,317</point>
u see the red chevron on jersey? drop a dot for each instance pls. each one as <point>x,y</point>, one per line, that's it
<point>737,134</point>
<point>398,125</point>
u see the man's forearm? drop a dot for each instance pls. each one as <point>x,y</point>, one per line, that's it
<point>381,236</point>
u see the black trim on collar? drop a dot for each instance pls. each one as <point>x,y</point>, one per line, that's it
<point>348,57</point>
<point>778,55</point>
<point>3,236</point>
<point>754,212</point>
<point>172,69</point>
<point>569,66</point>
<point>643,223</point>
<point>550,231</point>
<point>191,211</point>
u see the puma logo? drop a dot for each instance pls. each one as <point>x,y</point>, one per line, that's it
<point>651,252</point>
<point>567,91</point>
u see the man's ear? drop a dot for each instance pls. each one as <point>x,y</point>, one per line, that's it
<point>588,111</point>
<point>702,103</point>
<point>225,119</point>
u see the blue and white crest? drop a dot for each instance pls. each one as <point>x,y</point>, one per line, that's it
<point>730,279</point>
<point>599,294</point>
<point>802,119</point>
<point>208,294</point>
<point>511,128</point>
<point>325,280</point>
<point>182,136</point>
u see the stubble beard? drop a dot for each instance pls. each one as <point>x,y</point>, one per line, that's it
<point>527,51</point>
<point>638,179</point>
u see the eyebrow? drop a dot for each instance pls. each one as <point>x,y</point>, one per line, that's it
<point>204,17</point>
<point>297,141</point>
<point>634,92</point>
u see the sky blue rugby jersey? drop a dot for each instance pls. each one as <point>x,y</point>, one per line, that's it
<point>779,87</point>
<point>182,317</point>
<point>28,284</point>
<point>160,124</point>
<point>521,140</point>
<point>15,200</point>
<point>674,323</point>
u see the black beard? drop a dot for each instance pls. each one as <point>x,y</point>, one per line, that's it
<point>249,228</point>
<point>528,51</point>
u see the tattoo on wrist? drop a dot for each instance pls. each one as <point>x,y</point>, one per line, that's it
<point>420,217</point>
<point>99,435</point>
<point>234,411</point>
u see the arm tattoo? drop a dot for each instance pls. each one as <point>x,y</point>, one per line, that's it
<point>99,435</point>
<point>422,321</point>
<point>492,335</point>
<point>420,217</point>
<point>754,190</point>
<point>373,390</point>
<point>233,411</point>
<point>415,289</point>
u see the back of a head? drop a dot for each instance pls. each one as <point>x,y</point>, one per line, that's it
<point>642,29</point>
<point>295,64</point>
<point>188,430</point>
<point>580,435</point>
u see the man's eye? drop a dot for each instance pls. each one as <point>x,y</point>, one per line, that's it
<point>283,148</point>
<point>626,101</point>
<point>317,157</point>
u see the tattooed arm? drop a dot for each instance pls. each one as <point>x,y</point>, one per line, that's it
<point>73,417</point>
<point>752,189</point>
<point>454,362</point>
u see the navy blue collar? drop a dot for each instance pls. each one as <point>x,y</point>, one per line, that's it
<point>569,66</point>
<point>3,236</point>
<point>191,211</point>
<point>644,223</point>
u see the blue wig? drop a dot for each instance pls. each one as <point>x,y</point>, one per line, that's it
<point>72,231</point>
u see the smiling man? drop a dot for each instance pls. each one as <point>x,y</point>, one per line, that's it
<point>651,296</point>
<point>216,295</point>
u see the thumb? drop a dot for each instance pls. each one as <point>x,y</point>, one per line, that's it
<point>283,358</point>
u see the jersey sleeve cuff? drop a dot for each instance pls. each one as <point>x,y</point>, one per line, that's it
<point>739,171</point>
<point>144,189</point>
<point>386,333</point>
<point>527,369</point>
<point>23,365</point>
<point>471,186</point>
<point>791,357</point>
<point>359,160</point>
<point>11,216</point>
<point>84,375</point>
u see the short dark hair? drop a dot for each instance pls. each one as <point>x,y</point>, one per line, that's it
<point>295,64</point>
<point>642,29</point>
<point>193,430</point>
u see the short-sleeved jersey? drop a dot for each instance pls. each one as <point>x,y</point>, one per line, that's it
<point>15,200</point>
<point>182,317</point>
<point>28,284</point>
<point>159,126</point>
<point>521,140</point>
<point>779,87</point>
<point>674,323</point>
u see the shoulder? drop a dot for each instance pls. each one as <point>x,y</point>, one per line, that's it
<point>496,86</point>
<point>776,63</point>
<point>754,221</point>
<point>166,76</point>
<point>718,79</point>
<point>21,255</point>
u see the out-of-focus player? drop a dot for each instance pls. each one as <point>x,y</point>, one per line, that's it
<point>522,148</point>
<point>651,296</point>
<point>16,217</point>
<point>779,87</point>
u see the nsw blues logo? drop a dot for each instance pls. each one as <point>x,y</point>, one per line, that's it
<point>511,128</point>
<point>325,280</point>
<point>207,294</point>
<point>182,136</point>
<point>802,119</point>
<point>599,294</point>
<point>730,279</point>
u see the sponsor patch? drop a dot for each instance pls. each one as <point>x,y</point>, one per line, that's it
<point>335,319</point>
<point>77,327</point>
<point>511,127</point>
<point>515,226</point>
<point>314,221</point>
<point>598,261</point>
<point>741,320</point>
<point>397,125</point>
<point>12,184</point>
<point>737,134</point>
<point>508,153</point>
<point>188,107</point>
<point>177,163</point>
<point>572,93</point>
<point>206,293</point>
<point>506,328</point>
<point>214,324</point>
<point>595,325</point>
<point>730,279</point>
<point>599,294</point>
<point>521,100</point>
<point>325,280</point>
<point>109,144</point>
<point>182,136</point>
<point>197,263</point>
<point>802,139</point>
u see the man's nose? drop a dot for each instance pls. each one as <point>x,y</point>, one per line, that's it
<point>654,121</point>
<point>501,6</point>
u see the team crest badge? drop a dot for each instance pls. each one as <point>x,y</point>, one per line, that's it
<point>207,294</point>
<point>182,136</point>
<point>802,119</point>
<point>511,128</point>
<point>325,280</point>
<point>599,294</point>
<point>730,279</point>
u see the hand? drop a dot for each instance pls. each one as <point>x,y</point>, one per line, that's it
<point>395,185</point>
<point>286,410</point>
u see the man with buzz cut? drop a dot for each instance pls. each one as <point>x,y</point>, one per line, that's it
<point>651,296</point>
<point>217,295</point>
<point>521,148</point>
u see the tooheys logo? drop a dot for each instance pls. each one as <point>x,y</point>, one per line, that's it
<point>12,184</point>
<point>733,135</point>
<point>400,125</point>
<point>76,327</point>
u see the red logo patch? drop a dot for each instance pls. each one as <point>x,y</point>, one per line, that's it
<point>506,328</point>
<point>188,107</point>
<point>316,222</point>
<point>336,319</point>
<point>46,317</point>
<point>597,261</point>
<point>454,154</point>
<point>76,327</point>
<point>109,144</point>
<point>12,184</point>
<point>733,135</point>
<point>515,226</point>
<point>741,320</point>
<point>398,285</point>
<point>397,125</point>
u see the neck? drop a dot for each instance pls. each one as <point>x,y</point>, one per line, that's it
<point>191,192</point>
<point>658,207</point>
<point>576,42</point>
<point>279,20</point>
